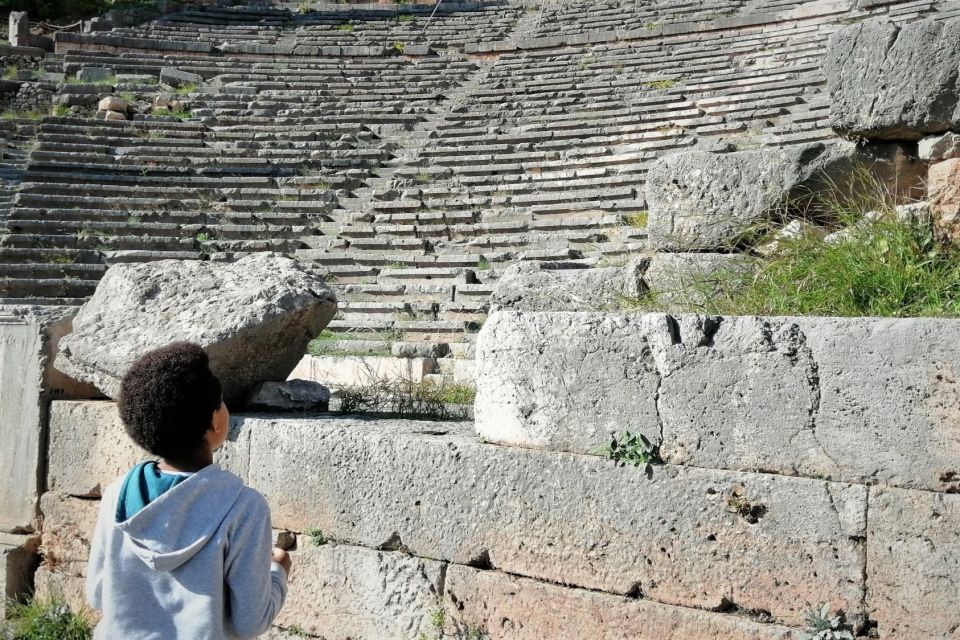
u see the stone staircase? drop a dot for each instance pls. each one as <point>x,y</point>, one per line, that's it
<point>410,158</point>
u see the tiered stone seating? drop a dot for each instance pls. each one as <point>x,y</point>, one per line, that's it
<point>376,143</point>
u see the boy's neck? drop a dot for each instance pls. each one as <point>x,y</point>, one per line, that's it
<point>202,459</point>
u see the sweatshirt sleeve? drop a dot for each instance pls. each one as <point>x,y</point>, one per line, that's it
<point>98,544</point>
<point>256,586</point>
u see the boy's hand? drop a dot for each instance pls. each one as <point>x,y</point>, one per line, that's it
<point>282,558</point>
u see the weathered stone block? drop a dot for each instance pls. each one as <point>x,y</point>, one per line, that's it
<point>89,448</point>
<point>341,592</point>
<point>254,318</point>
<point>849,393</point>
<point>505,607</point>
<point>68,524</point>
<point>889,406</point>
<point>292,395</point>
<point>28,342</point>
<point>529,286</point>
<point>937,148</point>
<point>894,82</point>
<point>702,201</point>
<point>706,538</point>
<point>913,555</point>
<point>113,103</point>
<point>567,381</point>
<point>944,194</point>
<point>177,78</point>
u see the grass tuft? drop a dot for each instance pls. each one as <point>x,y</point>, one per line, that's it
<point>49,620</point>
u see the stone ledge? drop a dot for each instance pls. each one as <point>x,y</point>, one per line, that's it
<point>860,400</point>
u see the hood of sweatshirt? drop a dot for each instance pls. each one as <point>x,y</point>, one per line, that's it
<point>173,528</point>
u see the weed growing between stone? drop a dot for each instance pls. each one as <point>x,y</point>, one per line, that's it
<point>822,626</point>
<point>316,537</point>
<point>38,620</point>
<point>631,448</point>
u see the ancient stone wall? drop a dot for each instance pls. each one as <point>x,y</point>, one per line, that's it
<point>802,463</point>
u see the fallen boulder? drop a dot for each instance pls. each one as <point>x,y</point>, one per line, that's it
<point>894,82</point>
<point>701,201</point>
<point>254,318</point>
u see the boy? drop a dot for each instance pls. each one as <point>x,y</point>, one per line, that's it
<point>182,549</point>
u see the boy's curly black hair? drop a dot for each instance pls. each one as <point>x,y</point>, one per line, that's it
<point>167,400</point>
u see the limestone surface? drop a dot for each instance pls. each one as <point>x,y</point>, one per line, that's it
<point>531,286</point>
<point>567,381</point>
<point>936,148</point>
<point>511,608</point>
<point>341,592</point>
<point>292,395</point>
<point>701,201</point>
<point>680,536</point>
<point>913,554</point>
<point>254,318</point>
<point>894,82</point>
<point>88,448</point>
<point>944,194</point>
<point>821,397</point>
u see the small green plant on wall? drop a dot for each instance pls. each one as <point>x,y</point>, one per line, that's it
<point>631,448</point>
<point>823,626</point>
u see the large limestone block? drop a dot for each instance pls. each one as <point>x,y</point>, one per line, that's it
<point>684,536</point>
<point>254,317</point>
<point>889,408</point>
<point>701,201</point>
<point>567,381</point>
<point>944,194</point>
<point>88,448</point>
<point>855,399</point>
<point>343,592</point>
<point>68,524</point>
<point>530,286</point>
<point>913,555</point>
<point>28,342</point>
<point>894,82</point>
<point>505,607</point>
<point>740,393</point>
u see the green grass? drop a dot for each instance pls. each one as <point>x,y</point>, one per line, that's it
<point>883,268</point>
<point>184,89</point>
<point>175,114</point>
<point>21,115</point>
<point>60,110</point>
<point>660,84</point>
<point>316,537</point>
<point>345,27</point>
<point>44,621</point>
<point>637,219</point>
<point>405,17</point>
<point>399,46</point>
<point>326,344</point>
<point>406,398</point>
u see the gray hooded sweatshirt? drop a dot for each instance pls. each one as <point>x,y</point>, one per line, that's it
<point>193,564</point>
